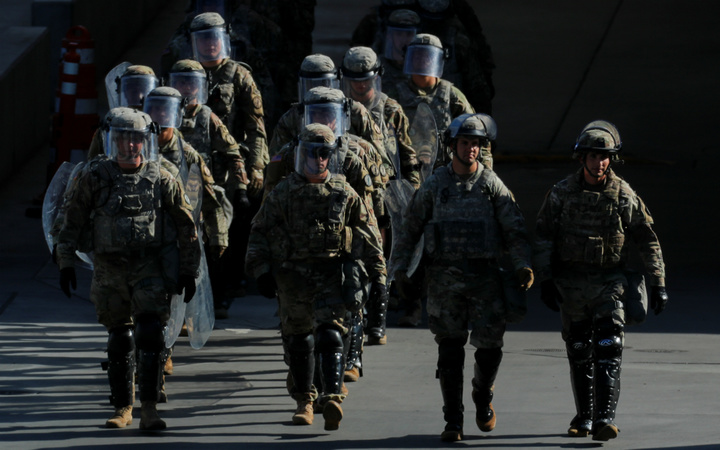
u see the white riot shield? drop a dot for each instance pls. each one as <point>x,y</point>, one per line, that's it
<point>397,197</point>
<point>111,86</point>
<point>424,136</point>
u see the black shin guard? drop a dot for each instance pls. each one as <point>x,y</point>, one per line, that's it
<point>121,366</point>
<point>451,359</point>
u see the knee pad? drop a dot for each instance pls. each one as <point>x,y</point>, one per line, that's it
<point>301,343</point>
<point>579,343</point>
<point>451,353</point>
<point>488,357</point>
<point>120,342</point>
<point>329,340</point>
<point>608,340</point>
<point>149,333</point>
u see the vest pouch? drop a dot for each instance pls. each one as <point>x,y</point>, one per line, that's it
<point>581,249</point>
<point>614,249</point>
<point>333,238</point>
<point>594,250</point>
<point>636,298</point>
<point>225,93</point>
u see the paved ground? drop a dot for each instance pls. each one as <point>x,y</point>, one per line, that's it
<point>651,67</point>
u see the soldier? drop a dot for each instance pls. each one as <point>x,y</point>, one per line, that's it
<point>222,154</point>
<point>583,232</point>
<point>370,32</point>
<point>310,242</point>
<point>236,100</point>
<point>470,63</point>
<point>469,218</point>
<point>145,248</point>
<point>402,26</point>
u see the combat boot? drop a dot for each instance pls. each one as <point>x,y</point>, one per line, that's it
<point>487,362</point>
<point>168,369</point>
<point>149,418</point>
<point>607,391</point>
<point>333,414</point>
<point>304,413</point>
<point>581,379</point>
<point>121,418</point>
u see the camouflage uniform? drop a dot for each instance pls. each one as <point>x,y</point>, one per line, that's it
<point>305,236</point>
<point>467,223</point>
<point>583,234</point>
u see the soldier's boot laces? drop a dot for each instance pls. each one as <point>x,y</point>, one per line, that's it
<point>333,414</point>
<point>304,413</point>
<point>121,418</point>
<point>149,418</point>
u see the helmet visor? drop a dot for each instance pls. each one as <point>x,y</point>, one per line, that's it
<point>426,60</point>
<point>307,83</point>
<point>396,41</point>
<point>364,90</point>
<point>192,86</point>
<point>134,89</point>
<point>165,110</point>
<point>212,44</point>
<point>331,114</point>
<point>130,148</point>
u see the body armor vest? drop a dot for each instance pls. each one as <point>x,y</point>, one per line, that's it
<point>316,220</point>
<point>196,131</point>
<point>439,103</point>
<point>129,217</point>
<point>463,224</point>
<point>592,226</point>
<point>222,93</point>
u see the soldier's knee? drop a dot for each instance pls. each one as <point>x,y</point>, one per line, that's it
<point>579,342</point>
<point>329,340</point>
<point>120,342</point>
<point>301,343</point>
<point>149,333</point>
<point>451,351</point>
<point>608,340</point>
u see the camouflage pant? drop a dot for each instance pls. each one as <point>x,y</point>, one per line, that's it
<point>457,299</point>
<point>125,287</point>
<point>309,298</point>
<point>590,295</point>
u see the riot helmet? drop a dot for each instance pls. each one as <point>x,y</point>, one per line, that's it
<point>425,56</point>
<point>188,77</point>
<point>599,136</point>
<point>317,70</point>
<point>316,154</point>
<point>134,85</point>
<point>361,72</point>
<point>329,107</point>
<point>131,137</point>
<point>210,37</point>
<point>402,26</point>
<point>165,106</point>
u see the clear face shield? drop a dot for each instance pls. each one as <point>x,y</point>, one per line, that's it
<point>364,90</point>
<point>426,60</point>
<point>134,89</point>
<point>192,86</point>
<point>212,44</point>
<point>166,111</point>
<point>307,83</point>
<point>130,148</point>
<point>334,115</point>
<point>396,40</point>
<point>316,159</point>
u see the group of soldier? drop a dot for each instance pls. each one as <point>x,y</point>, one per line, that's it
<point>380,172</point>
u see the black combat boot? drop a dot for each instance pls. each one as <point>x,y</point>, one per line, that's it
<point>487,362</point>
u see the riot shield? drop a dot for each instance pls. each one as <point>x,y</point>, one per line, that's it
<point>397,197</point>
<point>111,86</point>
<point>424,136</point>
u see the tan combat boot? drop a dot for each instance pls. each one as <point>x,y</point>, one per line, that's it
<point>168,369</point>
<point>304,413</point>
<point>149,417</point>
<point>121,418</point>
<point>333,414</point>
<point>352,375</point>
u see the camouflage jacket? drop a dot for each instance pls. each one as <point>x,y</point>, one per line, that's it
<point>301,222</point>
<point>587,229</point>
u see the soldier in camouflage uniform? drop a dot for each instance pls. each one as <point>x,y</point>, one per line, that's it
<point>583,231</point>
<point>470,63</point>
<point>145,248</point>
<point>310,242</point>
<point>469,218</point>
<point>370,32</point>
<point>209,136</point>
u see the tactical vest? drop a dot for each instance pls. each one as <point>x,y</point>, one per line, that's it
<point>128,216</point>
<point>439,103</point>
<point>196,131</point>
<point>591,224</point>
<point>221,97</point>
<point>463,224</point>
<point>316,220</point>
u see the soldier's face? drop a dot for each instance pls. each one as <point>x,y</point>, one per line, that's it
<point>316,163</point>
<point>467,149</point>
<point>130,146</point>
<point>188,88</point>
<point>596,166</point>
<point>209,46</point>
<point>325,118</point>
<point>362,90</point>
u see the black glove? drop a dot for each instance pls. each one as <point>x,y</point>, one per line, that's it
<point>658,299</point>
<point>186,283</point>
<point>216,252</point>
<point>240,200</point>
<point>266,285</point>
<point>550,295</point>
<point>378,292</point>
<point>525,278</point>
<point>67,279</point>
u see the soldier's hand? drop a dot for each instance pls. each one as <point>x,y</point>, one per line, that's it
<point>186,283</point>
<point>549,295</point>
<point>240,200</point>
<point>67,279</point>
<point>525,277</point>
<point>216,252</point>
<point>658,299</point>
<point>266,285</point>
<point>256,179</point>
